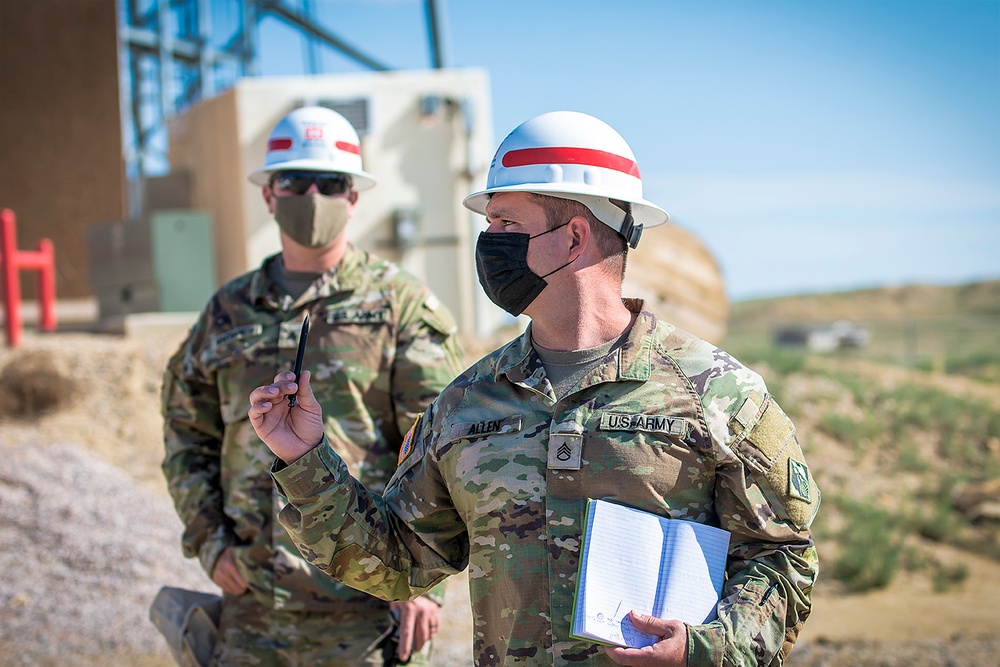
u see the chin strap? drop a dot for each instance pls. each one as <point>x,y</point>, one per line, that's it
<point>630,230</point>
<point>609,214</point>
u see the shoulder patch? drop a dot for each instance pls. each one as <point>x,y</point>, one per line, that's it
<point>767,446</point>
<point>407,447</point>
<point>798,480</point>
<point>438,317</point>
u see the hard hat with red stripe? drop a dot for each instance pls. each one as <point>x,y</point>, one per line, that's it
<point>314,139</point>
<point>572,155</point>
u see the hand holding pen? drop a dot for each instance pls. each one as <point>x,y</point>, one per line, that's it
<point>300,353</point>
<point>288,433</point>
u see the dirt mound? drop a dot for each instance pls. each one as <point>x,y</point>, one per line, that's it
<point>40,384</point>
<point>680,281</point>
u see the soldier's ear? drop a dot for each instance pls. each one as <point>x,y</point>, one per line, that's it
<point>268,195</point>
<point>581,234</point>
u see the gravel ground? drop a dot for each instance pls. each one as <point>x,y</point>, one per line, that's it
<point>84,552</point>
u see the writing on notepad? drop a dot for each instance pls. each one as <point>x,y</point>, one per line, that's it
<point>632,559</point>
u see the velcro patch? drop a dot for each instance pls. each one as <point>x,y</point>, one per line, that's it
<point>288,334</point>
<point>358,316</point>
<point>769,448</point>
<point>748,412</point>
<point>621,421</point>
<point>484,427</point>
<point>565,451</point>
<point>237,333</point>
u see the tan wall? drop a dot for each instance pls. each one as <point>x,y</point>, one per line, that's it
<point>204,142</point>
<point>61,163</point>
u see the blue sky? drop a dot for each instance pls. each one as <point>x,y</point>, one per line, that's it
<point>812,145</point>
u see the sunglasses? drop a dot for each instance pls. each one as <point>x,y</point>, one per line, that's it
<point>299,182</point>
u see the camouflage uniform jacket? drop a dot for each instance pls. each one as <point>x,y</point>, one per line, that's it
<point>496,474</point>
<point>380,348</point>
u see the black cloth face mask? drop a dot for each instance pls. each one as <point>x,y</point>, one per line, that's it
<point>502,265</point>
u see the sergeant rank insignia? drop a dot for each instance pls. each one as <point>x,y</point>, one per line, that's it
<point>565,451</point>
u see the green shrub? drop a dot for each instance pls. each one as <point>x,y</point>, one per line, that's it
<point>869,547</point>
<point>946,577</point>
<point>984,365</point>
<point>782,361</point>
<point>860,388</point>
<point>909,458</point>
<point>939,521</point>
<point>962,425</point>
<point>852,431</point>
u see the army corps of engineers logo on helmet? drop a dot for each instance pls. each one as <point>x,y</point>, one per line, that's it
<point>313,136</point>
<point>314,139</point>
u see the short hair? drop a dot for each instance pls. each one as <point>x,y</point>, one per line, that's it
<point>610,243</point>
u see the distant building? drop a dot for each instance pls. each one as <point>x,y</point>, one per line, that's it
<point>839,335</point>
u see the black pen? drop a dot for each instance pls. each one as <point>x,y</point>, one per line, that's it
<point>299,354</point>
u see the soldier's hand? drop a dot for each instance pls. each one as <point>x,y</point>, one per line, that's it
<point>418,623</point>
<point>226,576</point>
<point>670,650</point>
<point>289,432</point>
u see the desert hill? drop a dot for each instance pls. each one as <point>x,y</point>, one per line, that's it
<point>918,302</point>
<point>903,435</point>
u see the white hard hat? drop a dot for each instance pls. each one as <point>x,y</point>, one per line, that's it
<point>571,155</point>
<point>314,139</point>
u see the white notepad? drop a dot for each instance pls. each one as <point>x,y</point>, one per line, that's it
<point>668,568</point>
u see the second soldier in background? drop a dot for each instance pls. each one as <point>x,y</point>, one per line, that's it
<point>382,346</point>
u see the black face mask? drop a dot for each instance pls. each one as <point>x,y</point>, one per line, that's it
<point>502,265</point>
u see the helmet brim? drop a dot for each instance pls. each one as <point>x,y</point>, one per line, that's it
<point>644,212</point>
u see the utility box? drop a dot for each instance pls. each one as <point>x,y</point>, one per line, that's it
<point>161,262</point>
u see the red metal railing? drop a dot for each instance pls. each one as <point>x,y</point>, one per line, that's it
<point>12,261</point>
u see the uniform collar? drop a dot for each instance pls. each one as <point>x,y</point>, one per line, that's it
<point>519,362</point>
<point>344,277</point>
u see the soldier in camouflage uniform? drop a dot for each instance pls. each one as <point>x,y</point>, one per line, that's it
<point>382,346</point>
<point>597,399</point>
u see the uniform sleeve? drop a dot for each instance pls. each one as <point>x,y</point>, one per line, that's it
<point>427,356</point>
<point>427,359</point>
<point>364,539</point>
<point>192,434</point>
<point>766,497</point>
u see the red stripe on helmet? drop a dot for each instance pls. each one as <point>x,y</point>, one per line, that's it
<point>349,148</point>
<point>524,157</point>
<point>279,144</point>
